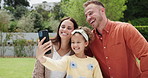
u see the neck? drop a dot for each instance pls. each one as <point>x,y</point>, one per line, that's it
<point>82,55</point>
<point>64,47</point>
<point>102,25</point>
<point>65,44</point>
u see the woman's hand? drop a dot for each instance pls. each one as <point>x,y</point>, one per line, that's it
<point>42,49</point>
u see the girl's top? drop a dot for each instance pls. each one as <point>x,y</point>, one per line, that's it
<point>75,67</point>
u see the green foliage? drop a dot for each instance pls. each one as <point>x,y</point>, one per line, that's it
<point>143,30</point>
<point>26,24</point>
<point>114,8</point>
<point>43,12</point>
<point>136,9</point>
<point>57,12</point>
<point>14,3</point>
<point>4,20</point>
<point>38,19</point>
<point>74,9</point>
<point>139,22</point>
<point>23,47</point>
<point>19,47</point>
<point>13,26</point>
<point>3,43</point>
<point>51,25</point>
<point>20,11</point>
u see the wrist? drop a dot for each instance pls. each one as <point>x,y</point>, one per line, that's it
<point>42,59</point>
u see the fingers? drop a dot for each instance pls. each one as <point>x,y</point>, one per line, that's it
<point>47,44</point>
<point>49,48</point>
<point>41,42</point>
<point>43,48</point>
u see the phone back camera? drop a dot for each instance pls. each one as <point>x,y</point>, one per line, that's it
<point>40,34</point>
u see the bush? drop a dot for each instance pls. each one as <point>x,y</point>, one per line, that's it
<point>23,47</point>
<point>139,22</point>
<point>19,48</point>
<point>143,30</point>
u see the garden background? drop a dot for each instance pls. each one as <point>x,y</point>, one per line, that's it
<point>18,18</point>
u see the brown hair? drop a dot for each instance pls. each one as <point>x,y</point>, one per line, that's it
<point>93,2</point>
<point>57,39</point>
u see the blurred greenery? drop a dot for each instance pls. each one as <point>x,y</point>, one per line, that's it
<point>143,30</point>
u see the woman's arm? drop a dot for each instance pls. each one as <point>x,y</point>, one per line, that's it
<point>39,70</point>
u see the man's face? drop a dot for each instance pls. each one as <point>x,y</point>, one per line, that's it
<point>93,15</point>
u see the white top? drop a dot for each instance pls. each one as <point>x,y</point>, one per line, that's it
<point>56,56</point>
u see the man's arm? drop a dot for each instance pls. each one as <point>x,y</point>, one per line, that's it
<point>139,46</point>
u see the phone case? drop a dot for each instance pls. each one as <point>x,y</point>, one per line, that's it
<point>42,34</point>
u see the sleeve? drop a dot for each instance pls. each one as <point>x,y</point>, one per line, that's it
<point>56,65</point>
<point>97,71</point>
<point>139,47</point>
<point>39,70</point>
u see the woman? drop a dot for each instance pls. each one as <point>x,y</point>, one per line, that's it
<point>60,47</point>
<point>76,64</point>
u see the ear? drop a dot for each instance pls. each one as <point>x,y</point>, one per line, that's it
<point>86,43</point>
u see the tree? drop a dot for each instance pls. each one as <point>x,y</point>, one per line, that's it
<point>43,12</point>
<point>57,12</point>
<point>11,5</point>
<point>38,19</point>
<point>74,8</point>
<point>136,9</point>
<point>4,25</point>
<point>15,3</point>
<point>4,20</point>
<point>114,8</point>
<point>20,11</point>
<point>26,24</point>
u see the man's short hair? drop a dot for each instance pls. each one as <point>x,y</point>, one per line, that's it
<point>93,2</point>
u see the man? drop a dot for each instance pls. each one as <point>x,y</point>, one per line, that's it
<point>116,45</point>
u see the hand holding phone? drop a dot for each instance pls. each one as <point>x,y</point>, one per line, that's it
<point>42,34</point>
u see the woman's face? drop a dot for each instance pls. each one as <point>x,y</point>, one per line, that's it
<point>65,29</point>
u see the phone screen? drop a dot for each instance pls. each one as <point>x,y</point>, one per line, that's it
<point>42,34</point>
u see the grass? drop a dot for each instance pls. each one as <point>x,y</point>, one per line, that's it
<point>16,67</point>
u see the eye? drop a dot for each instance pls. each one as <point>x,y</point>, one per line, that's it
<point>78,42</point>
<point>69,28</point>
<point>72,42</point>
<point>63,26</point>
<point>90,13</point>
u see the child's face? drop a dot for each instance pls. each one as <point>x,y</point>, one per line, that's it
<point>78,43</point>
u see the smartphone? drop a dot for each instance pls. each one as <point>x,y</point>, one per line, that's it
<point>42,34</point>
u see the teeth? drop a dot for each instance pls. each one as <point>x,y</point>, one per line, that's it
<point>64,33</point>
<point>91,21</point>
<point>76,48</point>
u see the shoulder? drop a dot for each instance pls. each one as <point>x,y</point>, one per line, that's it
<point>92,59</point>
<point>123,24</point>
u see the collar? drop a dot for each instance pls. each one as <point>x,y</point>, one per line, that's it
<point>107,28</point>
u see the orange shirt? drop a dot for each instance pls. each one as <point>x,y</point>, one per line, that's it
<point>117,49</point>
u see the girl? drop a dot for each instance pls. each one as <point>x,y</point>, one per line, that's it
<point>60,47</point>
<point>78,65</point>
